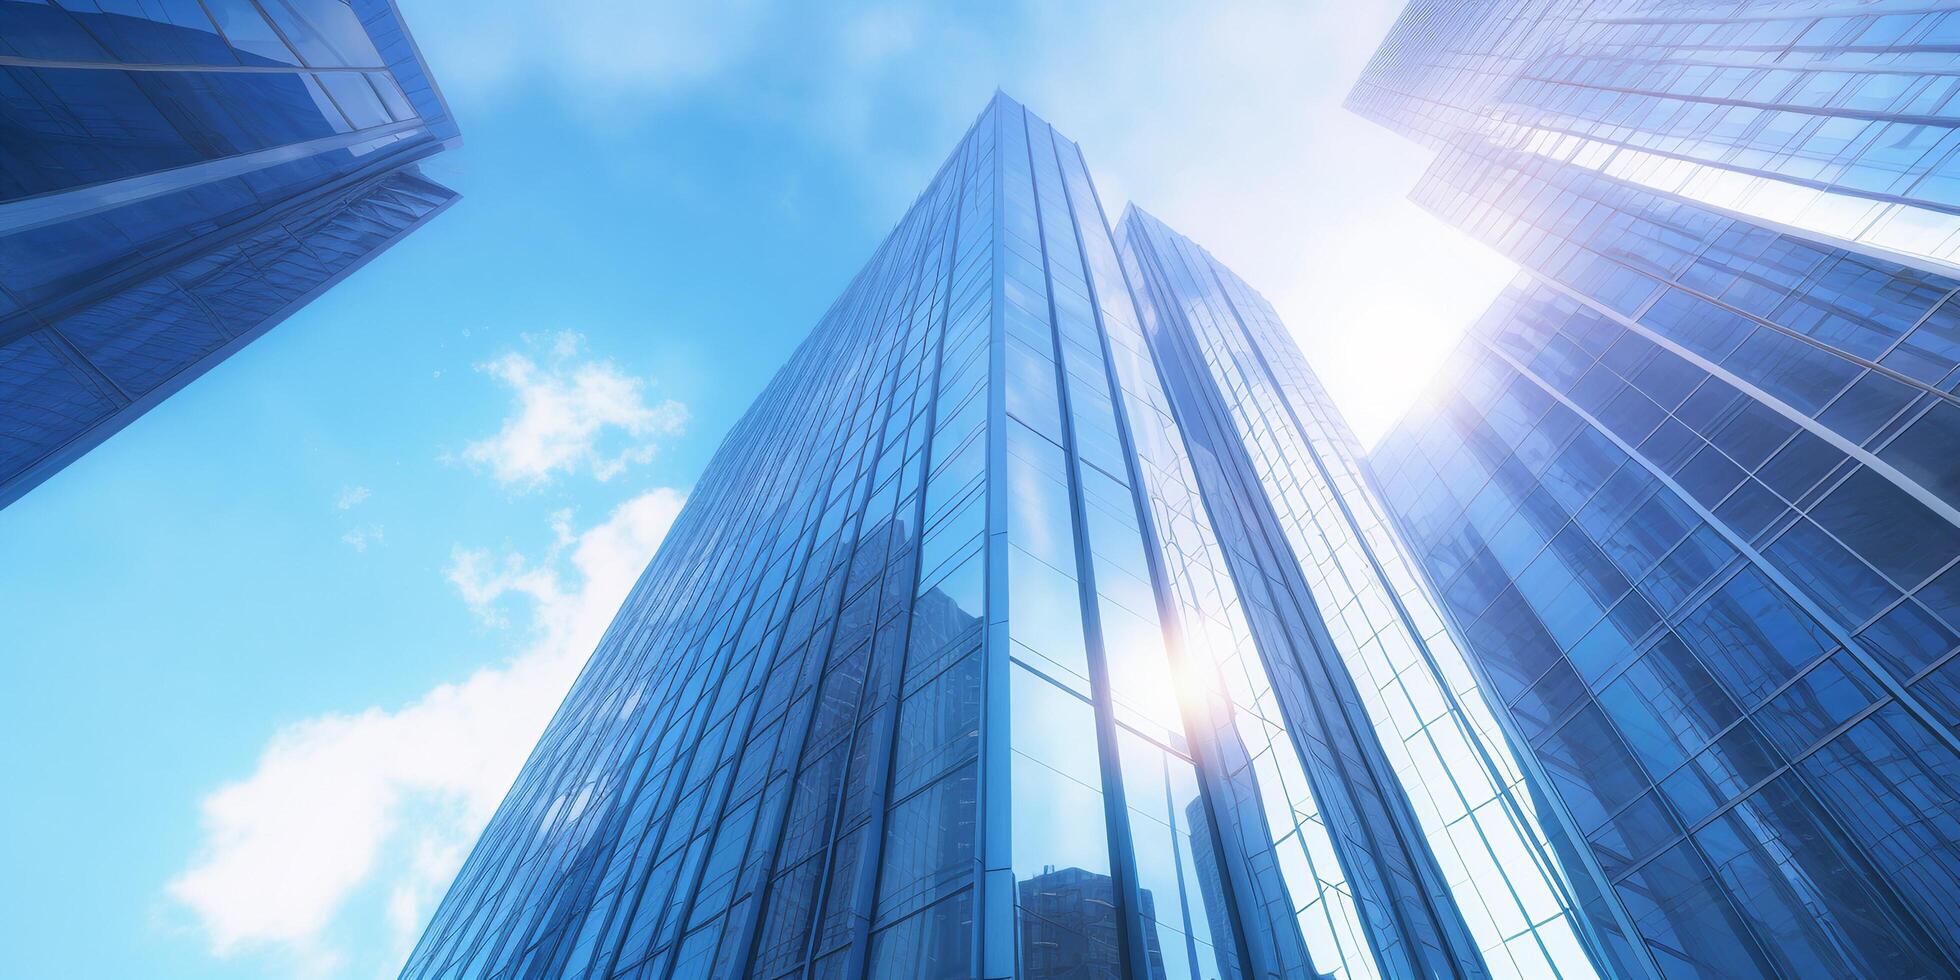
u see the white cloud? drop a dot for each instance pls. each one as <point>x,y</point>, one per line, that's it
<point>335,798</point>
<point>350,497</point>
<point>571,415</point>
<point>601,48</point>
<point>359,538</point>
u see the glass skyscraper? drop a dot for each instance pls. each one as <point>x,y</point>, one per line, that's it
<point>1038,620</point>
<point>178,176</point>
<point>1690,489</point>
<point>1300,608</point>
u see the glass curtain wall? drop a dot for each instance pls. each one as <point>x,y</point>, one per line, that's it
<point>1688,489</point>
<point>178,177</point>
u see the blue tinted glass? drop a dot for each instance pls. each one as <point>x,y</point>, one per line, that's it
<point>164,215</point>
<point>1591,767</point>
<point>248,32</point>
<point>1687,169</point>
<point>1900,536</point>
<point>1667,706</point>
<point>1827,696</point>
<point>1689,928</point>
<point>1752,635</point>
<point>1830,573</point>
<point>1923,451</point>
<point>1815,913</point>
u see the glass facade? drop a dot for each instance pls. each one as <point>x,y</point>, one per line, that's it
<point>1690,489</point>
<point>1036,621</point>
<point>1836,119</point>
<point>1399,742</point>
<point>178,177</point>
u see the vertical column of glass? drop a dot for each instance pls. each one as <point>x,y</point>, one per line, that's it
<point>1256,798</point>
<point>1302,903</point>
<point>1168,820</point>
<point>1105,879</point>
<point>1067,907</point>
<point>1451,760</point>
<point>1258,380</point>
<point>997,924</point>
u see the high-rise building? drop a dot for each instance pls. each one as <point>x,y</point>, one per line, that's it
<point>1691,488</point>
<point>175,179</point>
<point>1406,800</point>
<point>1036,621</point>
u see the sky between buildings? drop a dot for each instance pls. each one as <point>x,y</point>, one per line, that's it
<point>274,652</point>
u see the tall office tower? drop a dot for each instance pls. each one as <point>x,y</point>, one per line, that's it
<point>965,660</point>
<point>176,179</point>
<point>1405,800</point>
<point>1691,487</point>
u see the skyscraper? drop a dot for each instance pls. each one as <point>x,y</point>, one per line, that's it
<point>178,178</point>
<point>1408,780</point>
<point>1035,621</point>
<point>1689,487</point>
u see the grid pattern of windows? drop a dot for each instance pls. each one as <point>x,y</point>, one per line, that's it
<point>1691,488</point>
<point>895,697</point>
<point>1415,692</point>
<point>774,756</point>
<point>1768,788</point>
<point>1791,349</point>
<point>982,649</point>
<point>1308,911</point>
<point>1838,119</point>
<point>179,177</point>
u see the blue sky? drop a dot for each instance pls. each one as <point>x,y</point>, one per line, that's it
<point>275,651</point>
